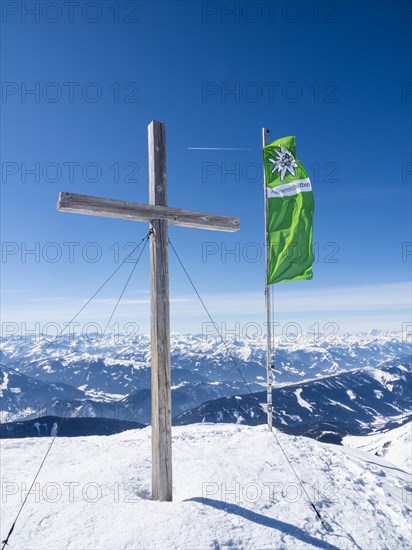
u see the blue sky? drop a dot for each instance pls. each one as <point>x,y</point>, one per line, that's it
<point>335,74</point>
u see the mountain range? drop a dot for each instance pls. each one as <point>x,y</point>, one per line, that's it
<point>118,367</point>
<point>357,402</point>
<point>352,386</point>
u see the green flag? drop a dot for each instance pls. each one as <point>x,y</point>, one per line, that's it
<point>289,213</point>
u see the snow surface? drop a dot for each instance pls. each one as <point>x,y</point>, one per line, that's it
<point>351,395</point>
<point>4,384</point>
<point>301,401</point>
<point>394,445</point>
<point>233,488</point>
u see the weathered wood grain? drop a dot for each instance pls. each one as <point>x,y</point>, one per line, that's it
<point>125,210</point>
<point>162,485</point>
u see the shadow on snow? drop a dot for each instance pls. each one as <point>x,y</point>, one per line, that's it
<point>272,523</point>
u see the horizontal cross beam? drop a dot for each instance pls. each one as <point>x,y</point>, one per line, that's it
<point>135,211</point>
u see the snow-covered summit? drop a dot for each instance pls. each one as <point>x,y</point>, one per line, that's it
<point>394,445</point>
<point>232,489</point>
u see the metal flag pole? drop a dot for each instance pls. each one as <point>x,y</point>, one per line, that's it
<point>267,300</point>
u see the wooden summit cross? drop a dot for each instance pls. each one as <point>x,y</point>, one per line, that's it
<point>159,215</point>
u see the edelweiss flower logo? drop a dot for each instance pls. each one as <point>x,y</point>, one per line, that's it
<point>285,162</point>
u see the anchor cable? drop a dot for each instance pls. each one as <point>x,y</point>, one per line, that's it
<point>210,317</point>
<point>325,525</point>
<point>145,239</point>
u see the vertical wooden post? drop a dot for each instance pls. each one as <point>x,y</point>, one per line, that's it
<point>160,320</point>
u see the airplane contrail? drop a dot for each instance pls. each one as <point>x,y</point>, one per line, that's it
<point>220,149</point>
